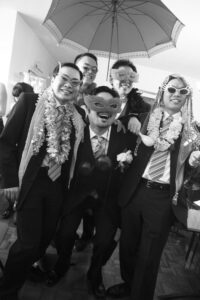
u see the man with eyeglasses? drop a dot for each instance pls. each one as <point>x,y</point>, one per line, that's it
<point>150,188</point>
<point>88,64</point>
<point>36,149</point>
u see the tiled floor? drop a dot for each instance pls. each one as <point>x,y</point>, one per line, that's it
<point>173,277</point>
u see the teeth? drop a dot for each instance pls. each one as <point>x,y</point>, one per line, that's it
<point>66,92</point>
<point>103,115</point>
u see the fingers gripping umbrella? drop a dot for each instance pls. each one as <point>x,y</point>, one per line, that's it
<point>114,28</point>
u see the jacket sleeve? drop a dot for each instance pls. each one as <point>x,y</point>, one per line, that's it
<point>137,105</point>
<point>10,139</point>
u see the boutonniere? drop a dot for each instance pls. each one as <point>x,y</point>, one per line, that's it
<point>124,160</point>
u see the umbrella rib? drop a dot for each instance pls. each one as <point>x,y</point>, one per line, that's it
<point>87,3</point>
<point>108,6</point>
<point>151,17</point>
<point>66,33</point>
<point>53,7</point>
<point>132,21</point>
<point>105,17</point>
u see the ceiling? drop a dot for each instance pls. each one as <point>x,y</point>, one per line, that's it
<point>184,59</point>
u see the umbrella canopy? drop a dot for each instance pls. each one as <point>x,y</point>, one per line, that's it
<point>114,28</point>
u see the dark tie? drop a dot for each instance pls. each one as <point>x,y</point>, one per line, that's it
<point>100,148</point>
<point>55,169</point>
<point>159,158</point>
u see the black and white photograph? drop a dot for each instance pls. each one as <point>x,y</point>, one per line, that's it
<point>99,149</point>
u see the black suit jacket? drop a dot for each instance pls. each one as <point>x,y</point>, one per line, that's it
<point>13,138</point>
<point>135,105</point>
<point>106,183</point>
<point>137,168</point>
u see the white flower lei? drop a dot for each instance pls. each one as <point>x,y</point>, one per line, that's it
<point>153,129</point>
<point>58,151</point>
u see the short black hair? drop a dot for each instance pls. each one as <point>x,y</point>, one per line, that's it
<point>85,54</point>
<point>124,63</point>
<point>105,89</point>
<point>21,87</point>
<point>66,64</point>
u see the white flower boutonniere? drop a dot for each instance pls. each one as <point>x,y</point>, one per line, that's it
<point>124,159</point>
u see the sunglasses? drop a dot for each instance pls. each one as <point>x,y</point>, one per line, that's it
<point>182,91</point>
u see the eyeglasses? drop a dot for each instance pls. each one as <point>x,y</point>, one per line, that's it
<point>182,91</point>
<point>73,82</point>
<point>94,70</point>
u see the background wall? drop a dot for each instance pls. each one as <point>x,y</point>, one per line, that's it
<point>28,51</point>
<point>6,41</point>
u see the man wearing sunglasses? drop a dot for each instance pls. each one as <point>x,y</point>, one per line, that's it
<point>150,186</point>
<point>36,150</point>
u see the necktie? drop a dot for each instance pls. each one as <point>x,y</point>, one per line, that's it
<point>159,158</point>
<point>100,147</point>
<point>55,169</point>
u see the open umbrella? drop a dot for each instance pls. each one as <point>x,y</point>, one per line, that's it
<point>114,28</point>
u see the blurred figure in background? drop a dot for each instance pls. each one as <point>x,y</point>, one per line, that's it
<point>3,102</point>
<point>18,89</point>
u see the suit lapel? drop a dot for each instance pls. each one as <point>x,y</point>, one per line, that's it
<point>113,143</point>
<point>88,142</point>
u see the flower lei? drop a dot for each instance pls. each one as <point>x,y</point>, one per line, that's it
<point>58,151</point>
<point>153,129</point>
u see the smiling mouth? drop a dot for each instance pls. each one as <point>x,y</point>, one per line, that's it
<point>67,92</point>
<point>104,116</point>
<point>125,85</point>
<point>176,100</point>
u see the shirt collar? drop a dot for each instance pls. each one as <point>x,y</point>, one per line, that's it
<point>106,134</point>
<point>175,116</point>
<point>58,104</point>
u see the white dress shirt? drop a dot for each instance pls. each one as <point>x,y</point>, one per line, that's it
<point>94,141</point>
<point>166,175</point>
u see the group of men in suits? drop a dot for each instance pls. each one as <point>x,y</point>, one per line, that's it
<point>58,160</point>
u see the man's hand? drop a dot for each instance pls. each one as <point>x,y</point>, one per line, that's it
<point>194,159</point>
<point>134,125</point>
<point>11,193</point>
